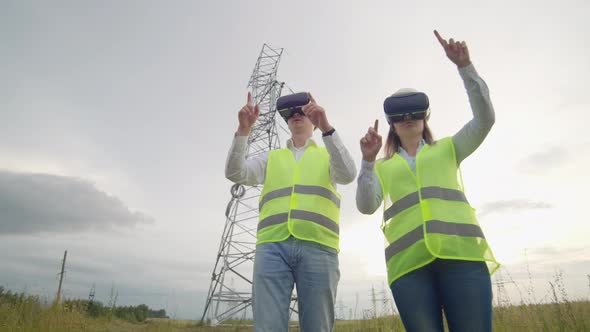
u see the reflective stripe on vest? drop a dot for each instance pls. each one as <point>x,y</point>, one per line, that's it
<point>300,214</point>
<point>426,214</point>
<point>428,192</point>
<point>298,199</point>
<point>299,189</point>
<point>433,226</point>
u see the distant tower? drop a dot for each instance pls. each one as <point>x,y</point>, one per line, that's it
<point>90,303</point>
<point>235,257</point>
<point>386,301</point>
<point>91,295</point>
<point>502,298</point>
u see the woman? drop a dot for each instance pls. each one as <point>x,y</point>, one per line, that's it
<point>437,257</point>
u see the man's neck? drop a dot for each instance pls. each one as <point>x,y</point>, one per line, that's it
<point>299,139</point>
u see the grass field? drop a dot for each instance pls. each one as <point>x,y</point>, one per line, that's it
<point>28,317</point>
<point>25,313</point>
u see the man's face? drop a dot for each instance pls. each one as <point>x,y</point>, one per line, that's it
<point>293,111</point>
<point>298,122</point>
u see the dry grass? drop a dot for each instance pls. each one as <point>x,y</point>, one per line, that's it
<point>562,314</point>
<point>572,316</point>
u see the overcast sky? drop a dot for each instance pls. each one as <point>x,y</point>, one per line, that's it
<point>116,118</point>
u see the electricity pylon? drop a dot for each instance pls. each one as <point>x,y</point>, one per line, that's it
<point>230,292</point>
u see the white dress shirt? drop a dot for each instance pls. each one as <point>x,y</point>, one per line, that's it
<point>252,171</point>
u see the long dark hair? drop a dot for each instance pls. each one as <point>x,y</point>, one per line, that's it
<point>393,141</point>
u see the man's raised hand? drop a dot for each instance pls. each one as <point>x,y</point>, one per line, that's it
<point>247,116</point>
<point>317,115</point>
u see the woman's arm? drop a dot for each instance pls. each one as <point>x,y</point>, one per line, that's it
<point>468,139</point>
<point>368,191</point>
<point>475,131</point>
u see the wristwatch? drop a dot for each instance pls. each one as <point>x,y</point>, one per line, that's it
<point>329,132</point>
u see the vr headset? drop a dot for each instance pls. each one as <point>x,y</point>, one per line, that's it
<point>413,106</point>
<point>288,105</point>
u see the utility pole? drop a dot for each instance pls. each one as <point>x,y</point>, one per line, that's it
<point>356,303</point>
<point>61,278</point>
<point>340,307</point>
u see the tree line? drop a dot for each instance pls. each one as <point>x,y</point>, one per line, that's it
<point>95,309</point>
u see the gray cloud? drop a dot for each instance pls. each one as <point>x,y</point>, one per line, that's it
<point>34,203</point>
<point>550,158</point>
<point>178,286</point>
<point>542,253</point>
<point>512,205</point>
<point>545,261</point>
<point>532,285</point>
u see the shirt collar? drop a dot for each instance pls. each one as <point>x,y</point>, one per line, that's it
<point>309,142</point>
<point>401,150</point>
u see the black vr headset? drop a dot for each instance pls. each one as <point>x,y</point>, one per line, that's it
<point>413,106</point>
<point>290,104</point>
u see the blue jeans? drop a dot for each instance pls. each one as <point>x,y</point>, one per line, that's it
<point>462,289</point>
<point>280,265</point>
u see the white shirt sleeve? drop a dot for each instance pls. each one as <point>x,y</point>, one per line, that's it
<point>342,167</point>
<point>238,169</point>
<point>475,131</point>
<point>369,193</point>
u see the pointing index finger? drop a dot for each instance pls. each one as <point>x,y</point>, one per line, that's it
<point>249,98</point>
<point>376,125</point>
<point>440,39</point>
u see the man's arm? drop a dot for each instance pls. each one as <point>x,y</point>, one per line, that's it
<point>237,168</point>
<point>240,170</point>
<point>342,167</point>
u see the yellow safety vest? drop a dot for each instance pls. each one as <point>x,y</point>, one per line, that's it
<point>426,215</point>
<point>299,199</point>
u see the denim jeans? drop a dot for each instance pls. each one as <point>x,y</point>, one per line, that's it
<point>312,267</point>
<point>462,289</point>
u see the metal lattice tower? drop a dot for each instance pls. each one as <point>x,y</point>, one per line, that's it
<point>230,292</point>
<point>502,298</point>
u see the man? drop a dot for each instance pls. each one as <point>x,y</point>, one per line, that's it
<point>297,237</point>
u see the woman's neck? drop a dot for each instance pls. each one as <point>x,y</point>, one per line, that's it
<point>410,144</point>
